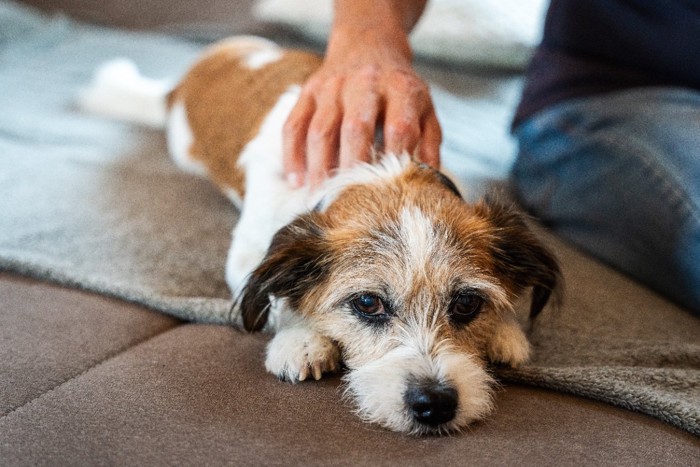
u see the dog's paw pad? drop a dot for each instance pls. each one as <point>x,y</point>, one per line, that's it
<point>298,354</point>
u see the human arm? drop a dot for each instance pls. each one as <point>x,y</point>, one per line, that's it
<point>366,81</point>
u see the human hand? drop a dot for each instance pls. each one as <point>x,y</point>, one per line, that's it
<point>366,83</point>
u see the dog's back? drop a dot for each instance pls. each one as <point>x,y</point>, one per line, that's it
<point>227,95</point>
<point>215,110</point>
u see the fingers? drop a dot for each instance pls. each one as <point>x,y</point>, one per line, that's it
<point>323,137</point>
<point>411,125</point>
<point>294,140</point>
<point>334,123</point>
<point>429,148</point>
<point>362,104</point>
<point>402,124</point>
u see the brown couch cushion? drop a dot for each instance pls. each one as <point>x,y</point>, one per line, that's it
<point>88,380</point>
<point>50,334</point>
<point>198,394</point>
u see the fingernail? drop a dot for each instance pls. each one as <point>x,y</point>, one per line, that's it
<point>295,179</point>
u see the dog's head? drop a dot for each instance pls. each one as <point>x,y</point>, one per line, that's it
<point>415,285</point>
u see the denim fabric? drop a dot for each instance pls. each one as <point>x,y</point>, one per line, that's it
<point>619,175</point>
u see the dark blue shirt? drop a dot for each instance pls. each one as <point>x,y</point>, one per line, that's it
<point>596,46</point>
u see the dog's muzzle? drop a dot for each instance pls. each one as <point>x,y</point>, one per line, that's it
<point>431,403</point>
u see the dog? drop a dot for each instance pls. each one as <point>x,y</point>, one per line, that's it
<point>385,269</point>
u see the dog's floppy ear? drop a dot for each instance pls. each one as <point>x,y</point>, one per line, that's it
<point>295,261</point>
<point>520,257</point>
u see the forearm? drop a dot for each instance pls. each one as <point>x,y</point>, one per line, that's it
<point>367,81</point>
<point>402,14</point>
<point>367,24</point>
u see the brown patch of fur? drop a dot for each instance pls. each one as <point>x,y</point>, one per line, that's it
<point>226,102</point>
<point>416,186</point>
<point>364,250</point>
<point>411,242</point>
<point>357,243</point>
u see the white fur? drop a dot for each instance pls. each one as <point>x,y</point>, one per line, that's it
<point>418,235</point>
<point>418,349</point>
<point>179,135</point>
<point>269,203</point>
<point>378,387</point>
<point>386,168</point>
<point>119,91</point>
<point>241,46</point>
<point>509,344</point>
<point>257,60</point>
<point>297,352</point>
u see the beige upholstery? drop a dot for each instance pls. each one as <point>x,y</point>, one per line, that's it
<point>94,380</point>
<point>86,379</point>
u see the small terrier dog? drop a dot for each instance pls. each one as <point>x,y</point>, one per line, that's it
<point>386,268</point>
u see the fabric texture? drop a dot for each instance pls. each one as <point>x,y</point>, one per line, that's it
<point>627,163</point>
<point>600,46</point>
<point>195,394</point>
<point>97,204</point>
<point>51,334</point>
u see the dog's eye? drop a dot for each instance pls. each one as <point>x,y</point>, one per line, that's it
<point>369,306</point>
<point>465,307</point>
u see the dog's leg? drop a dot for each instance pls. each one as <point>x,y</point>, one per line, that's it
<point>269,205</point>
<point>297,352</point>
<point>269,202</point>
<point>509,344</point>
<point>250,239</point>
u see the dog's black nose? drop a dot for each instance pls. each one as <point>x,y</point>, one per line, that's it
<point>431,403</point>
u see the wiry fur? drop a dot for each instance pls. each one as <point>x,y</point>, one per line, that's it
<point>415,244</point>
<point>394,231</point>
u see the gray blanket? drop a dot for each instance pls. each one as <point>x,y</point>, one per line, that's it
<point>96,204</point>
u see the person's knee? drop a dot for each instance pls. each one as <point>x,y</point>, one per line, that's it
<point>615,194</point>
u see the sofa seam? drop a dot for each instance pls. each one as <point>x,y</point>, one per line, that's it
<point>97,364</point>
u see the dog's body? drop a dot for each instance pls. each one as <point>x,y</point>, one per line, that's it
<point>386,267</point>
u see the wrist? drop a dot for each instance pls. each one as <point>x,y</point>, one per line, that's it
<point>398,14</point>
<point>373,27</point>
<point>369,40</point>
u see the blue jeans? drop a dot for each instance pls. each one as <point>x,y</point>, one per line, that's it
<point>619,175</point>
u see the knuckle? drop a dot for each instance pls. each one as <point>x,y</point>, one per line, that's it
<point>368,73</point>
<point>329,86</point>
<point>313,83</point>
<point>358,126</point>
<point>420,93</point>
<point>412,86</point>
<point>321,132</point>
<point>335,82</point>
<point>403,130</point>
<point>404,78</point>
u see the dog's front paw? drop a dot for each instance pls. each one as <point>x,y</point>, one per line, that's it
<point>296,353</point>
<point>509,345</point>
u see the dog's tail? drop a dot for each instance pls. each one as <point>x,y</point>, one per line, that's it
<point>119,91</point>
